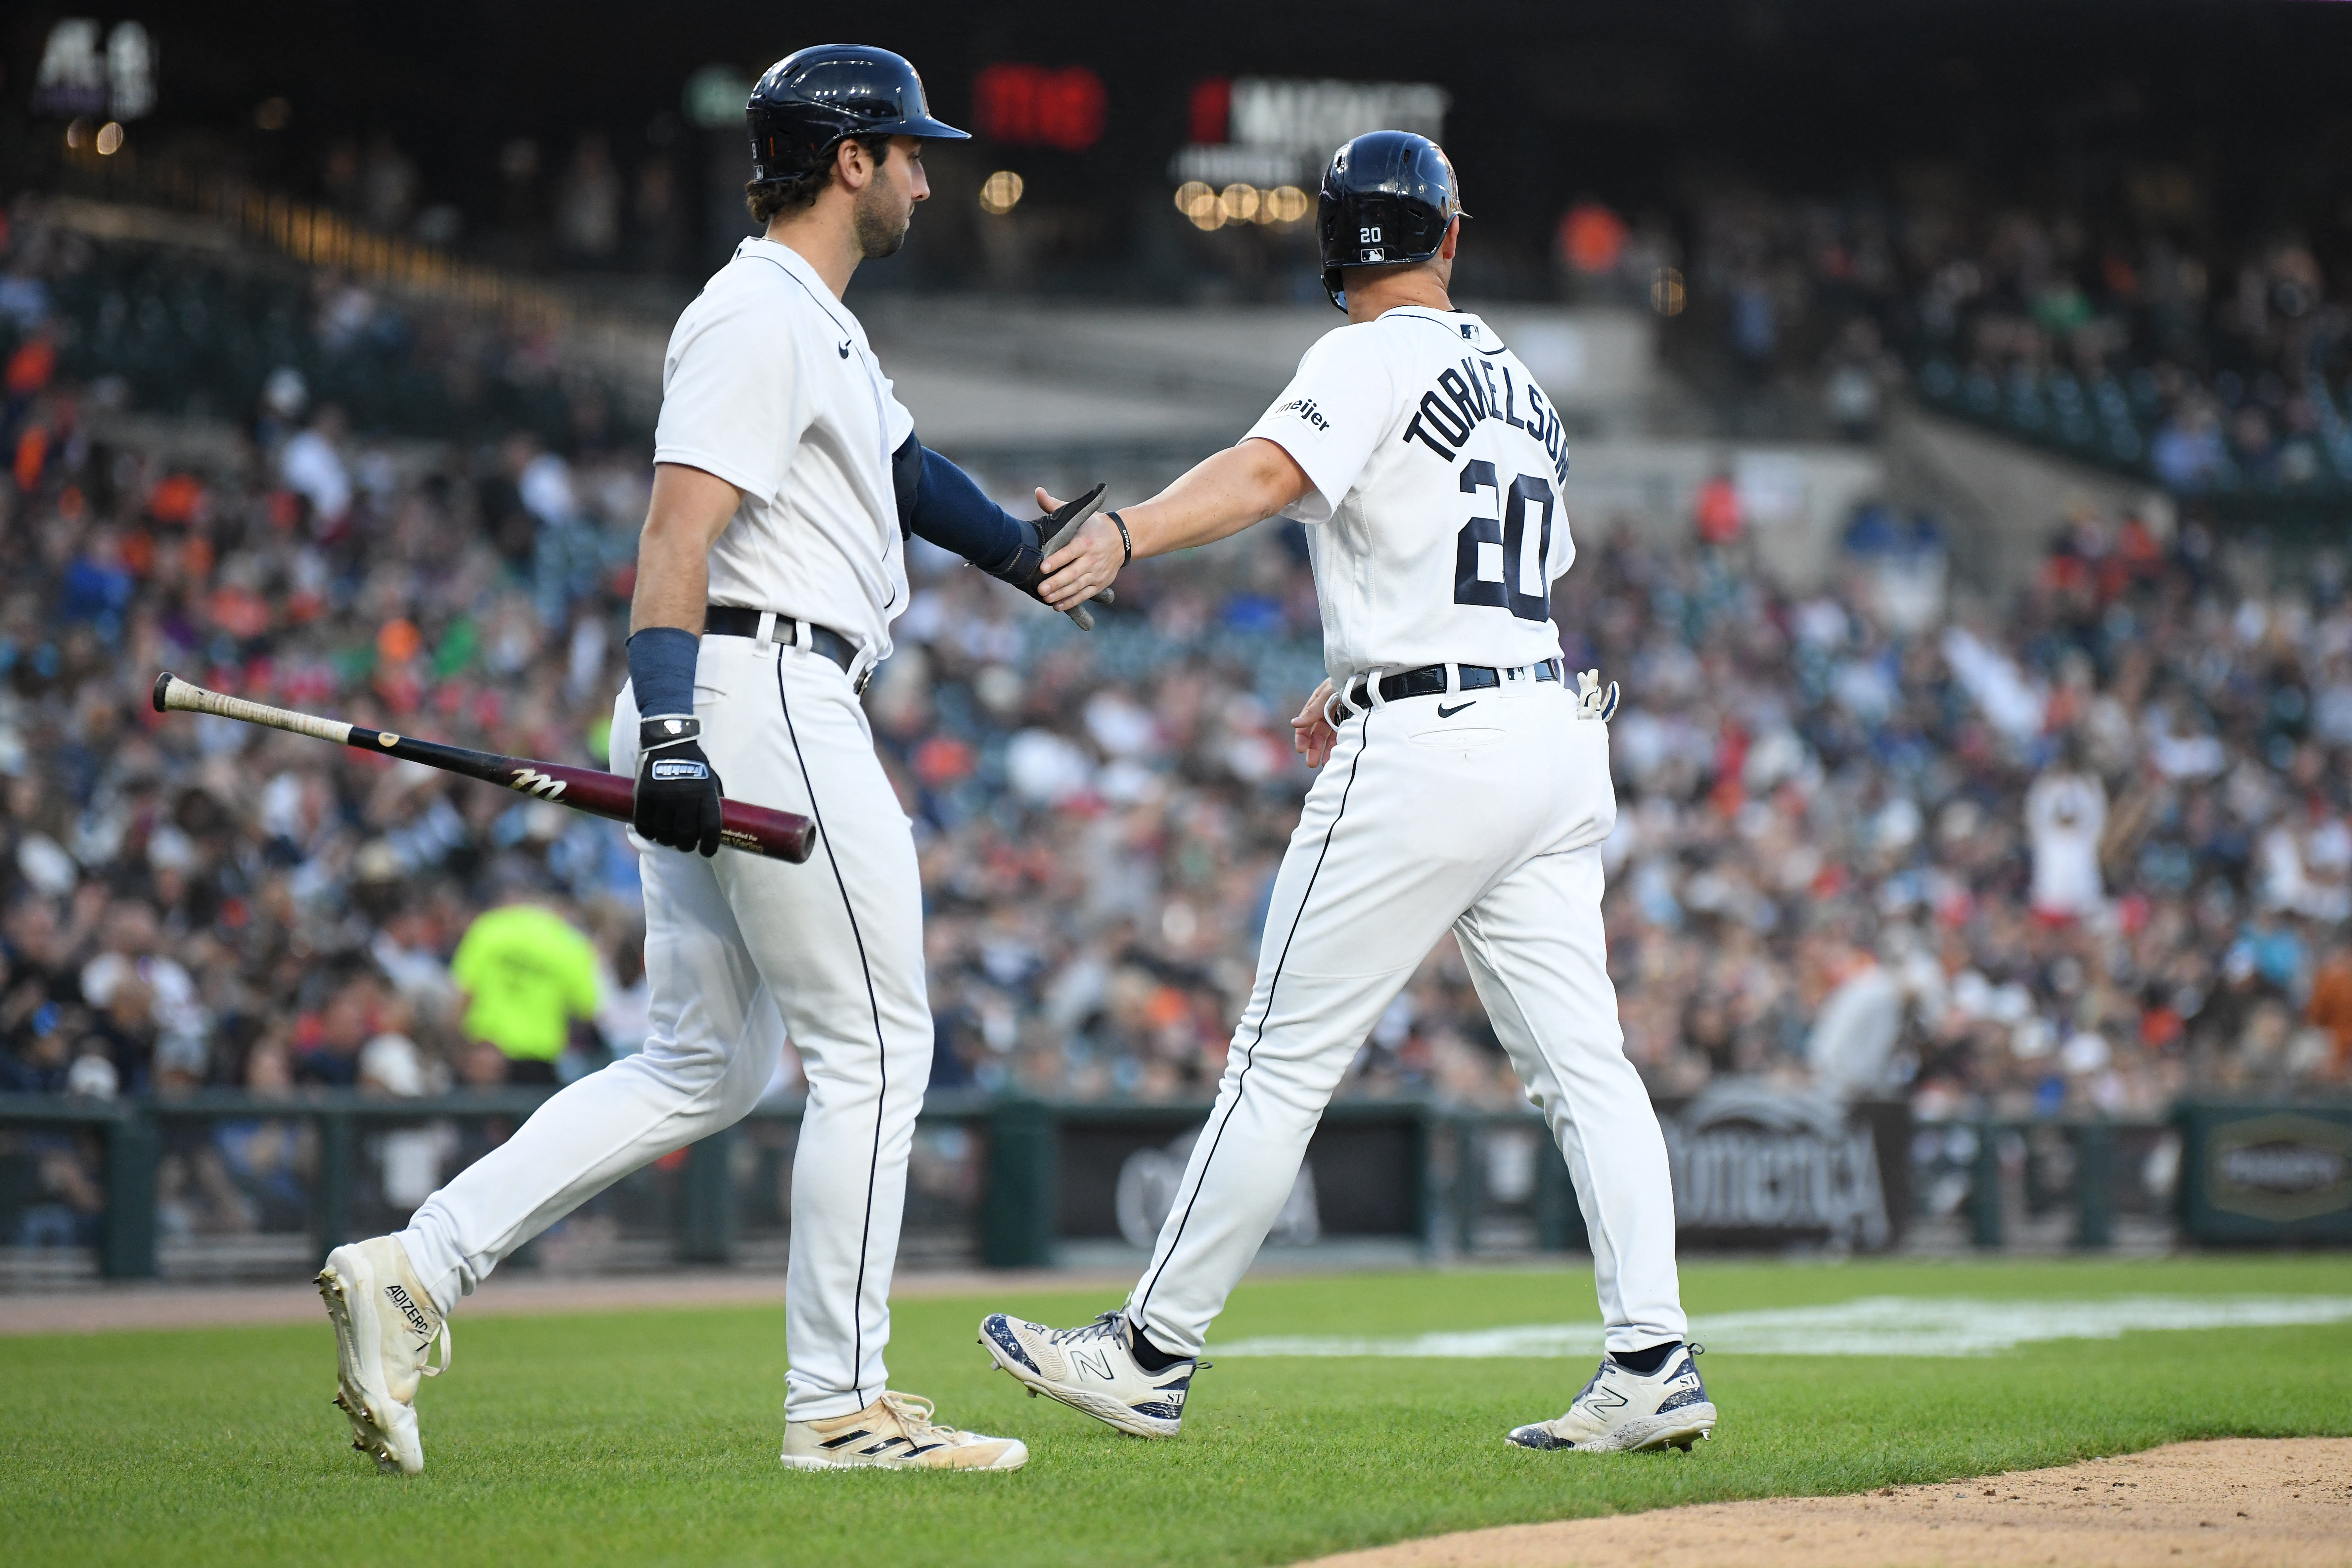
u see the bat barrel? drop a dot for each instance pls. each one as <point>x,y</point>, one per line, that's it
<point>758,830</point>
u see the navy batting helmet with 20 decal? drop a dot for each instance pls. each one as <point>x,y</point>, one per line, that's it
<point>1388,196</point>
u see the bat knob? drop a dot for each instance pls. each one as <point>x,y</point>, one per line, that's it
<point>163,684</point>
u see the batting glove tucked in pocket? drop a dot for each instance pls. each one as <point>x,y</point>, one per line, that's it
<point>676,801</point>
<point>1594,700</point>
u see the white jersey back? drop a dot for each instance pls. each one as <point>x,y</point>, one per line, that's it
<point>1436,465</point>
<point>770,384</point>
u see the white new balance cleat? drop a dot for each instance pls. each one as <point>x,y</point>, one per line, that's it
<point>386,1324</point>
<point>1623,1411</point>
<point>1093,1369</point>
<point>895,1433</point>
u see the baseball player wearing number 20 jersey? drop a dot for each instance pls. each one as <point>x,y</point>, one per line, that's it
<point>1465,785</point>
<point>787,476</point>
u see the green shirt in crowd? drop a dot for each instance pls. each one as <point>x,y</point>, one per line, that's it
<point>529,974</point>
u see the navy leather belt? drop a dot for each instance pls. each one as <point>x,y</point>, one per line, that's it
<point>1429,680</point>
<point>734,621</point>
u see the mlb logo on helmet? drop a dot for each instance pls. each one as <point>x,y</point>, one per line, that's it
<point>1396,192</point>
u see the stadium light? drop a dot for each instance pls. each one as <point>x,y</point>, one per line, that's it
<point>1197,201</point>
<point>1001,193</point>
<point>109,139</point>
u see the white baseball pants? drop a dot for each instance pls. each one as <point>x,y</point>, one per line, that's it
<point>1489,821</point>
<point>738,950</point>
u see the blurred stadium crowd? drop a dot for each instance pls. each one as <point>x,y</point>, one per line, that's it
<point>2213,375</point>
<point>2078,852</point>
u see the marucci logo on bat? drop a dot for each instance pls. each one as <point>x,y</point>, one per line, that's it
<point>532,781</point>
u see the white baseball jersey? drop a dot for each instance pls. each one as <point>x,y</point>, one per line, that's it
<point>1436,531</point>
<point>770,384</point>
<point>1437,463</point>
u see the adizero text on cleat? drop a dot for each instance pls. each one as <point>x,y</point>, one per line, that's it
<point>1093,1368</point>
<point>1623,1411</point>
<point>895,1433</point>
<point>386,1325</point>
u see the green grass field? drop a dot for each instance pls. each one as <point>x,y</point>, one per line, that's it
<point>650,1436</point>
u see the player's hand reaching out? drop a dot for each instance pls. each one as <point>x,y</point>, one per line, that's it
<point>1086,565</point>
<point>1311,735</point>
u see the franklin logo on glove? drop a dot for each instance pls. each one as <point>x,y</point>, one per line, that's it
<point>677,799</point>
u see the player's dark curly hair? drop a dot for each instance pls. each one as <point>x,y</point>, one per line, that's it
<point>766,198</point>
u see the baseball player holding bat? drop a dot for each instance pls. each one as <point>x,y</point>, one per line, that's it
<point>1463,785</point>
<point>771,567</point>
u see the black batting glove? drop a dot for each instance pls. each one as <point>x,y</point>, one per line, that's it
<point>1024,566</point>
<point>677,800</point>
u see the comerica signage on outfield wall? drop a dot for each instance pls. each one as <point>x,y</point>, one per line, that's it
<point>1757,1166</point>
<point>2264,1172</point>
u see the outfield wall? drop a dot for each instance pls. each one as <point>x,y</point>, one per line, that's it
<point>1013,1182</point>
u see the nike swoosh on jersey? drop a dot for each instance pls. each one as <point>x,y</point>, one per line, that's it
<point>1445,712</point>
<point>844,348</point>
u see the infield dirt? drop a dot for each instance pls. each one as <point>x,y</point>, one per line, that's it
<point>2277,1503</point>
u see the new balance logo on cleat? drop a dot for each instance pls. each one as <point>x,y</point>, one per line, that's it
<point>1623,1411</point>
<point>1093,1369</point>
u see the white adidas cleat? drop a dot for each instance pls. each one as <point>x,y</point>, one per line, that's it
<point>1623,1411</point>
<point>1093,1369</point>
<point>386,1324</point>
<point>895,1433</point>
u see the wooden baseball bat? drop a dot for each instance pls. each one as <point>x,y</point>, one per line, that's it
<point>754,829</point>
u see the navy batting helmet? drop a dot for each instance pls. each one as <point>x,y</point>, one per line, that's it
<point>1388,196</point>
<point>813,97</point>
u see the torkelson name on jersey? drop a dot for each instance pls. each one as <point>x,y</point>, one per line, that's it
<point>1479,389</point>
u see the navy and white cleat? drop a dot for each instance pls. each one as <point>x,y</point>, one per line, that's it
<point>1093,1369</point>
<point>1623,1411</point>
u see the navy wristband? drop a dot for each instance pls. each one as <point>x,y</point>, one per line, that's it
<point>661,669</point>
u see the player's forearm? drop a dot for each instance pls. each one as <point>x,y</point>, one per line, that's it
<point>672,584</point>
<point>688,512</point>
<point>944,505</point>
<point>1218,498</point>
